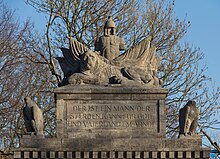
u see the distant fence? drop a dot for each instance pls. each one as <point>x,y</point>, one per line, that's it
<point>214,154</point>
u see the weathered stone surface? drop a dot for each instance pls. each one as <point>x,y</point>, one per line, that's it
<point>188,119</point>
<point>36,142</point>
<point>137,66</point>
<point>109,92</point>
<point>109,44</point>
<point>110,122</point>
<point>106,112</point>
<point>203,154</point>
<point>33,117</point>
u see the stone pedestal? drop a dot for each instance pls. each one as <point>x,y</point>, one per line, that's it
<point>94,112</point>
<point>110,122</point>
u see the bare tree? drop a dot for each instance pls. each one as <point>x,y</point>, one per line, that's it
<point>28,66</point>
<point>212,144</point>
<point>180,68</point>
<point>23,72</point>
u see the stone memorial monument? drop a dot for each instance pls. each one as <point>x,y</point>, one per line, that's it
<point>111,105</point>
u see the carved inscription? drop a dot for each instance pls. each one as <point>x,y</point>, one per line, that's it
<point>113,115</point>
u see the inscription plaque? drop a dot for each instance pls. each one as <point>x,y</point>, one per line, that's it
<point>91,112</point>
<point>111,115</point>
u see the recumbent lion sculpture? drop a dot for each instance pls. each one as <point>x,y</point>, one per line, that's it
<point>84,66</point>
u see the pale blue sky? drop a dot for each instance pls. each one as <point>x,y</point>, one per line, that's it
<point>204,32</point>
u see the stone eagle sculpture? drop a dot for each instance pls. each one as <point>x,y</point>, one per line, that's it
<point>33,117</point>
<point>188,119</point>
<point>136,66</point>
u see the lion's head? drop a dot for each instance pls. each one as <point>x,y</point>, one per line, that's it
<point>88,61</point>
<point>92,61</point>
